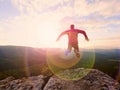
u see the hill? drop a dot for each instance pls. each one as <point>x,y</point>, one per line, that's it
<point>21,61</point>
<point>15,60</point>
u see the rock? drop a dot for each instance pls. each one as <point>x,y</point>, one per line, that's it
<point>31,83</point>
<point>7,80</point>
<point>95,80</point>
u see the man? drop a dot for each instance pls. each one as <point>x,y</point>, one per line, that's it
<point>73,39</point>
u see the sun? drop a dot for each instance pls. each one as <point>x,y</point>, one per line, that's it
<point>47,34</point>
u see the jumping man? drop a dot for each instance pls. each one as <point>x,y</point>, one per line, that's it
<point>73,39</point>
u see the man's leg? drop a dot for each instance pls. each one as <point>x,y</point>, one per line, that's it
<point>76,50</point>
<point>68,49</point>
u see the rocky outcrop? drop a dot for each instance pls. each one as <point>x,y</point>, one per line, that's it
<point>31,83</point>
<point>95,80</point>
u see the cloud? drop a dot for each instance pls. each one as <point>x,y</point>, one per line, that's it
<point>40,6</point>
<point>81,8</point>
<point>97,18</point>
<point>97,11</point>
<point>105,8</point>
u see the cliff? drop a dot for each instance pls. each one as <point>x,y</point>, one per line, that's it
<point>94,80</point>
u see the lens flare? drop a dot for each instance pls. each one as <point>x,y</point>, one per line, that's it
<point>70,67</point>
<point>26,64</point>
<point>59,59</point>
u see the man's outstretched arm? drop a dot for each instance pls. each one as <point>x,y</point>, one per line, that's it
<point>84,33</point>
<point>65,32</point>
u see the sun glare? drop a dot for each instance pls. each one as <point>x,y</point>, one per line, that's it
<point>47,33</point>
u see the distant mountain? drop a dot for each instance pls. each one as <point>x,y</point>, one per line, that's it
<point>108,61</point>
<point>15,57</point>
<point>14,60</point>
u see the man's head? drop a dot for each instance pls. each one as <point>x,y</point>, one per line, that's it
<point>72,26</point>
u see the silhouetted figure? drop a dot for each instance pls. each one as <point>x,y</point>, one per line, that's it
<point>73,39</point>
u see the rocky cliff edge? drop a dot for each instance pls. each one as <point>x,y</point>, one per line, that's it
<point>94,80</point>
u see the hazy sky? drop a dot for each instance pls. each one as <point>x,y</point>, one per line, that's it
<point>38,23</point>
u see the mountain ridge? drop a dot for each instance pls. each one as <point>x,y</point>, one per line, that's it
<point>15,58</point>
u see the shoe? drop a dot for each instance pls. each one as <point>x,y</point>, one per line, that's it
<point>67,52</point>
<point>78,55</point>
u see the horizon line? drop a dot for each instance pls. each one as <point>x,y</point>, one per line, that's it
<point>53,47</point>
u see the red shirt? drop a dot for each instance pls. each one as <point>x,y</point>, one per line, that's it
<point>72,36</point>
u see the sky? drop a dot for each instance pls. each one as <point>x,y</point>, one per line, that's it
<point>38,23</point>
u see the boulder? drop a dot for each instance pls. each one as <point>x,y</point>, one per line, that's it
<point>95,80</point>
<point>30,83</point>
